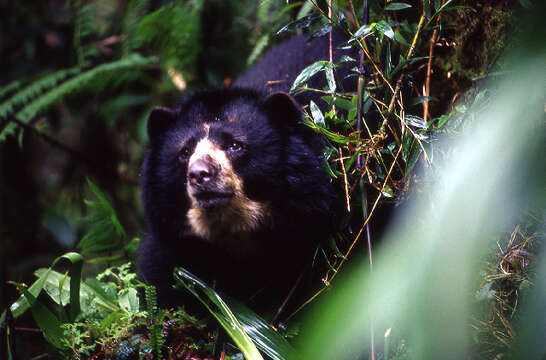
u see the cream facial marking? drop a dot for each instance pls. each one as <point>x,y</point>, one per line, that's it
<point>240,214</point>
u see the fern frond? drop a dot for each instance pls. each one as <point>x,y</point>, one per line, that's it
<point>84,27</point>
<point>173,30</point>
<point>156,331</point>
<point>9,88</point>
<point>135,11</point>
<point>80,82</point>
<point>34,89</point>
<point>27,94</point>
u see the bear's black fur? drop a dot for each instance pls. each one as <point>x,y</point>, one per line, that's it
<point>256,234</point>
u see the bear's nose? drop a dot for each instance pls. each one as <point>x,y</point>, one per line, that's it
<point>201,172</point>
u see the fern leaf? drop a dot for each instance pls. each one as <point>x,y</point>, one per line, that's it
<point>9,88</point>
<point>135,11</point>
<point>79,82</point>
<point>34,89</point>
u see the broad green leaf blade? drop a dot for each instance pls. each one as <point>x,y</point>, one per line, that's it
<point>385,28</point>
<point>46,321</point>
<point>302,23</point>
<point>22,305</point>
<point>221,312</point>
<point>416,121</point>
<point>76,276</point>
<point>419,99</point>
<point>397,6</point>
<point>330,79</point>
<point>264,336</point>
<point>318,118</point>
<point>128,300</point>
<point>308,72</point>
<point>90,291</point>
<point>362,31</point>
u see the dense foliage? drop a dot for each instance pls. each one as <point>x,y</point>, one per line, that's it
<point>79,79</point>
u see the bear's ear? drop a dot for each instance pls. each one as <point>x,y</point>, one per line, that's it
<point>283,107</point>
<point>158,120</point>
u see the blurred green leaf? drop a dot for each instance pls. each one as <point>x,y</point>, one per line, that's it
<point>128,300</point>
<point>362,31</point>
<point>419,99</point>
<point>302,23</point>
<point>416,121</point>
<point>385,28</point>
<point>397,6</point>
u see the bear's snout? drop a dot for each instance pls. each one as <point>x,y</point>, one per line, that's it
<point>202,171</point>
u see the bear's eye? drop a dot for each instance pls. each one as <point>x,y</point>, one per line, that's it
<point>235,146</point>
<point>184,154</point>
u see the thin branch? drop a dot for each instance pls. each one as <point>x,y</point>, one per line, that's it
<point>432,43</point>
<point>345,181</point>
<point>330,45</point>
<point>399,82</point>
<point>75,153</point>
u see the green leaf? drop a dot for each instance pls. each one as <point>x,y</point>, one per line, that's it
<point>339,102</point>
<point>323,30</point>
<point>419,99</point>
<point>397,6</point>
<point>302,23</point>
<point>344,59</point>
<point>128,300</point>
<point>384,28</point>
<point>221,312</point>
<point>330,79</point>
<point>362,31</point>
<point>264,336</point>
<point>260,46</point>
<point>318,118</point>
<point>308,72</point>
<point>415,121</point>
<point>50,325</point>
<point>22,304</point>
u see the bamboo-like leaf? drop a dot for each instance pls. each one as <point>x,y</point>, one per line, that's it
<point>309,72</point>
<point>362,31</point>
<point>302,23</point>
<point>385,28</point>
<point>221,312</point>
<point>397,6</point>
<point>316,113</point>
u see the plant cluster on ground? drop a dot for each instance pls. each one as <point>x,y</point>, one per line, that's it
<point>80,79</point>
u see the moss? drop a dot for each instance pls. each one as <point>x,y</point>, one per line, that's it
<point>480,37</point>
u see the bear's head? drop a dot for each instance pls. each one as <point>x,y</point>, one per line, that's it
<point>232,161</point>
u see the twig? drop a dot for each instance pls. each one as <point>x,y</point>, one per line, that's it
<point>399,82</point>
<point>345,180</point>
<point>330,45</point>
<point>346,255</point>
<point>426,91</point>
<point>290,293</point>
